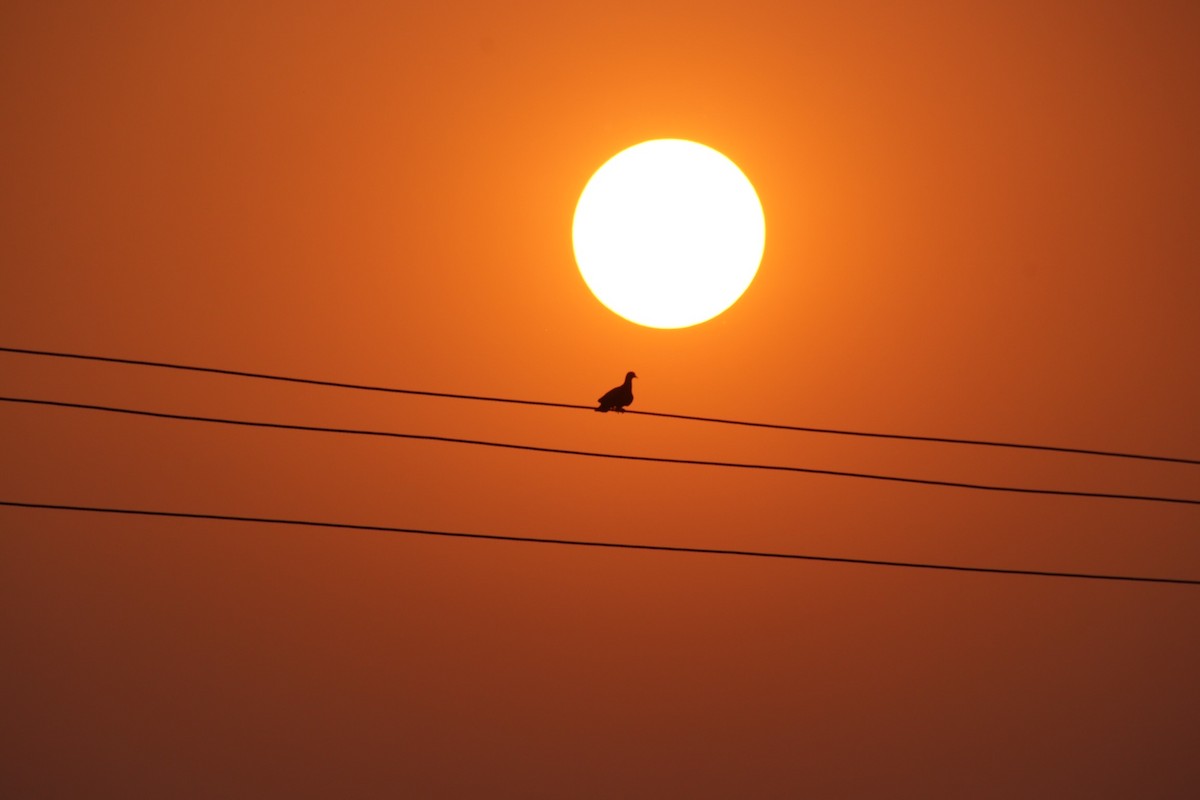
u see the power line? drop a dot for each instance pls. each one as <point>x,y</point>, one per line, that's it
<point>576,406</point>
<point>593,454</point>
<point>611,545</point>
<point>287,379</point>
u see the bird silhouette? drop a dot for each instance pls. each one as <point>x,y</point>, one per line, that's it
<point>617,398</point>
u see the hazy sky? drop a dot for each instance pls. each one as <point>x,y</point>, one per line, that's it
<point>981,222</point>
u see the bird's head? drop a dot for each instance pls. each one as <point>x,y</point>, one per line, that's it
<point>630,376</point>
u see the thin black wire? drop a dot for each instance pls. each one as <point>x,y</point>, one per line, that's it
<point>612,545</point>
<point>547,404</point>
<point>593,454</point>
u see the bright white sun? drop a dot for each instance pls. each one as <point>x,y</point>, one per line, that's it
<point>668,233</point>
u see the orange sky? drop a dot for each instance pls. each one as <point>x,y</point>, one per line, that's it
<point>981,222</point>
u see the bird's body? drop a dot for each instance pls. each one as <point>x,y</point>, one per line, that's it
<point>616,399</point>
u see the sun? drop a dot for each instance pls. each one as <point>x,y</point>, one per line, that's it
<point>668,233</point>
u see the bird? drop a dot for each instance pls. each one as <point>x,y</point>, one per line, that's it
<point>617,398</point>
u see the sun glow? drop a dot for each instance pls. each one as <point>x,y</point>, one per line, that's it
<point>668,233</point>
